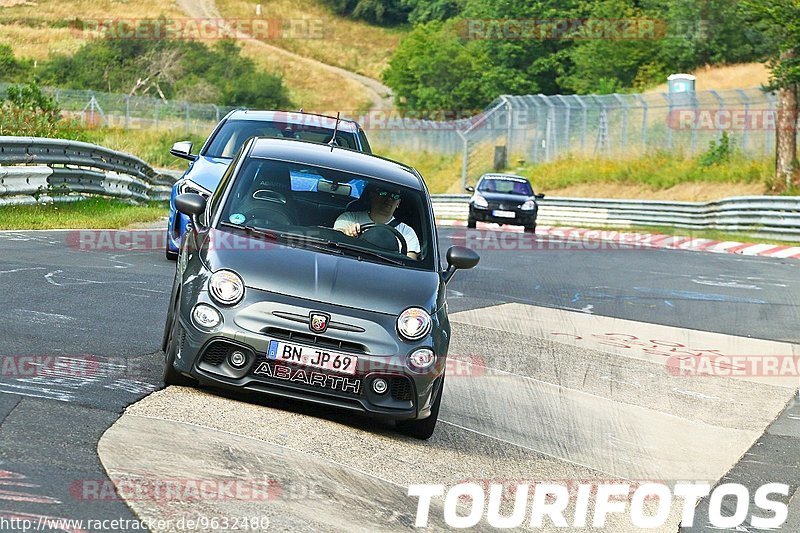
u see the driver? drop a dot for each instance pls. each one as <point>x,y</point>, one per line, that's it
<point>382,205</point>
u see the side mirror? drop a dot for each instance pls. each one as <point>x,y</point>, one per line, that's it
<point>183,149</point>
<point>538,196</point>
<point>192,205</point>
<point>469,188</point>
<point>459,257</point>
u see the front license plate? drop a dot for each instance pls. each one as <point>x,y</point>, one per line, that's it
<point>503,214</point>
<point>313,357</point>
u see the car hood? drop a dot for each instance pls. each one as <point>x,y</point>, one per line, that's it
<point>312,275</point>
<point>207,171</point>
<point>505,198</point>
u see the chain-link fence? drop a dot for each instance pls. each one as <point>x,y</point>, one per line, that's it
<point>537,128</point>
<point>98,109</point>
<point>513,130</point>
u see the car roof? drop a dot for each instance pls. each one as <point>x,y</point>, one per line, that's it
<point>323,155</point>
<point>510,177</point>
<point>295,117</point>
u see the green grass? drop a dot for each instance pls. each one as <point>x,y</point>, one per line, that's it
<point>657,171</point>
<point>93,213</point>
<point>149,145</point>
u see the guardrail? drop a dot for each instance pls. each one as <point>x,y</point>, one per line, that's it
<point>776,217</point>
<point>35,169</point>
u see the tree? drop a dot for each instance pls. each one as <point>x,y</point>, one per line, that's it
<point>779,20</point>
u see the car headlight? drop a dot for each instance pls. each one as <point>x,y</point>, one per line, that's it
<point>190,186</point>
<point>529,205</point>
<point>413,323</point>
<point>479,201</point>
<point>206,317</point>
<point>226,287</point>
<point>421,359</point>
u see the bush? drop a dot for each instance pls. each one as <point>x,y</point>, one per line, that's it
<point>27,111</point>
<point>169,69</point>
<point>719,151</point>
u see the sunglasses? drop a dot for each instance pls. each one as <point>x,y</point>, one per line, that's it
<point>393,195</point>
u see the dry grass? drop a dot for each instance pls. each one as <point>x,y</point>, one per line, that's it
<point>310,88</point>
<point>37,28</point>
<point>721,77</point>
<point>442,173</point>
<point>32,29</point>
<point>312,30</point>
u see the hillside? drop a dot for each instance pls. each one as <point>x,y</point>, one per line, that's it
<point>316,70</point>
<point>721,77</point>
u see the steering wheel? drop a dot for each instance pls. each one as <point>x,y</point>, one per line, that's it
<point>383,236</point>
<point>268,217</point>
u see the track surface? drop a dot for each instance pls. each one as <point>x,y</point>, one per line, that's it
<point>107,308</point>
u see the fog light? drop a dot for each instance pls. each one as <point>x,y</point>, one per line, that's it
<point>205,316</point>
<point>421,359</point>
<point>237,359</point>
<point>380,386</point>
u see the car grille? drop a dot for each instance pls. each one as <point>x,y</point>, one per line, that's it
<point>503,206</point>
<point>316,340</point>
<point>401,389</point>
<point>216,352</point>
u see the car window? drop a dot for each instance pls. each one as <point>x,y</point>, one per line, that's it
<point>305,180</point>
<point>505,186</point>
<point>233,133</point>
<point>309,200</point>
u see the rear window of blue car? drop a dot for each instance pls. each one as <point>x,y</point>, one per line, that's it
<point>233,133</point>
<point>304,181</point>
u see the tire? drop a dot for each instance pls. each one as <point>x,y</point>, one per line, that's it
<point>172,376</point>
<point>423,429</point>
<point>530,229</point>
<point>471,223</point>
<point>171,256</point>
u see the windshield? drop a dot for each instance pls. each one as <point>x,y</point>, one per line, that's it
<point>506,186</point>
<point>352,215</point>
<point>233,133</point>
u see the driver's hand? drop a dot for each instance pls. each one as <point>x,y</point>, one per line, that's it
<point>352,230</point>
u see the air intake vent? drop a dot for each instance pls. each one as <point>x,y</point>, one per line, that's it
<point>401,389</point>
<point>217,351</point>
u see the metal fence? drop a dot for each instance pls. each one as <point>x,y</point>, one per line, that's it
<point>513,130</point>
<point>99,109</point>
<point>536,128</point>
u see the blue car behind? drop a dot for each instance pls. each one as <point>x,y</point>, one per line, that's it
<point>205,169</point>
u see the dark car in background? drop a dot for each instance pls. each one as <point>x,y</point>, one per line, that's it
<point>269,298</point>
<point>504,199</point>
<point>207,167</point>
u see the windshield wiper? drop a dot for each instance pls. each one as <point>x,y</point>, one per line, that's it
<point>339,246</point>
<point>317,243</point>
<point>370,253</point>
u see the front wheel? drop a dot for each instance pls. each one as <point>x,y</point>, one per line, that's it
<point>423,429</point>
<point>530,229</point>
<point>471,223</point>
<point>172,376</point>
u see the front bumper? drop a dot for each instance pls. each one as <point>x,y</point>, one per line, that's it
<point>521,218</point>
<point>252,324</point>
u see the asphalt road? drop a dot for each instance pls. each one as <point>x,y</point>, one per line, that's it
<point>101,312</point>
